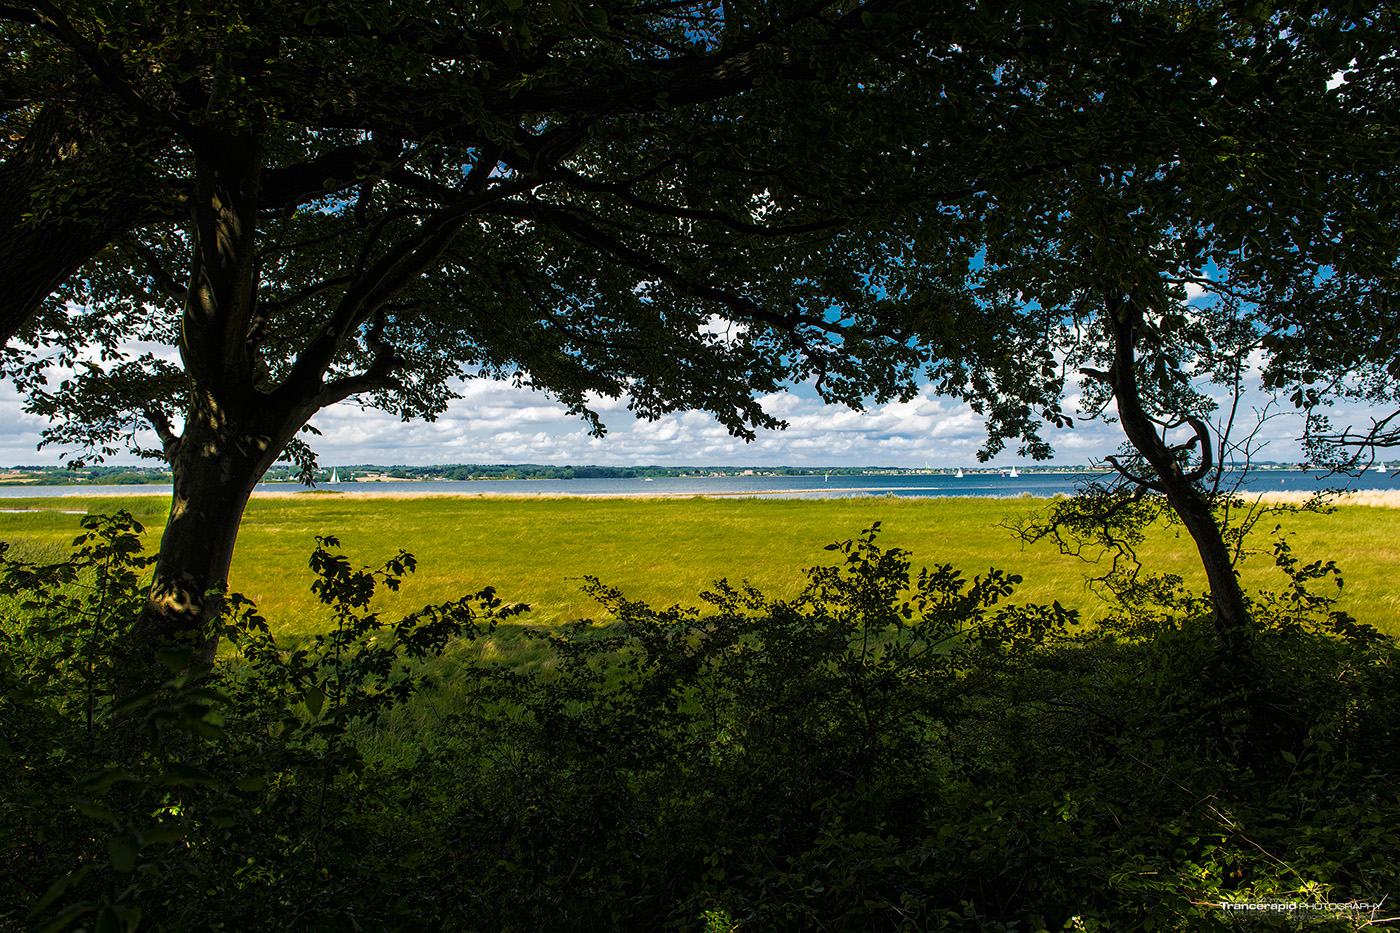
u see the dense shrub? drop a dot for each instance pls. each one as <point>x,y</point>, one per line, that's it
<point>889,750</point>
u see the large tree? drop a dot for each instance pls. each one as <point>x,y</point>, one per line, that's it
<point>376,198</point>
<point>380,197</point>
<point>1259,193</point>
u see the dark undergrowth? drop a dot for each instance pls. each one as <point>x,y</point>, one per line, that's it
<point>890,750</point>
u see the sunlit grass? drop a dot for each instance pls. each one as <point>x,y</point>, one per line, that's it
<point>666,551</point>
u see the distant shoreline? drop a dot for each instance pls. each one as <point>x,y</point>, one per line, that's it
<point>1378,498</point>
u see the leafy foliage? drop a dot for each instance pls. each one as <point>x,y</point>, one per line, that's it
<point>680,206</point>
<point>691,206</point>
<point>888,749</point>
<point>241,764</point>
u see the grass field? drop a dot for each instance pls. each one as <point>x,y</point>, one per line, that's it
<point>666,551</point>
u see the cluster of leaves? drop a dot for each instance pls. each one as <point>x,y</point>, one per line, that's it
<point>212,801</point>
<point>901,751</point>
<point>889,749</point>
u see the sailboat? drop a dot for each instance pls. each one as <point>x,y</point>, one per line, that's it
<point>1013,474</point>
<point>335,477</point>
<point>960,473</point>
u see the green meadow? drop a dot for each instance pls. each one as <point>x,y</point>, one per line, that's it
<point>666,551</point>
<point>773,771</point>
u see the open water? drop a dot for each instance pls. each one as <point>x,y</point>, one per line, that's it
<point>1039,485</point>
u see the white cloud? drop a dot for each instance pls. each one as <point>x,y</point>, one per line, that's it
<point>725,330</point>
<point>497,422</point>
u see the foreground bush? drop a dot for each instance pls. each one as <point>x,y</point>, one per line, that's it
<point>889,750</point>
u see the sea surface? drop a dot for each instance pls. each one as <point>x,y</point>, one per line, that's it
<point>1038,485</point>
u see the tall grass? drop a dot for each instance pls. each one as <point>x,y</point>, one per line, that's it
<point>666,551</point>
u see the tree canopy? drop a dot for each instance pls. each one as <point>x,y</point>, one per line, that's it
<point>370,200</point>
<point>1264,191</point>
<point>689,205</point>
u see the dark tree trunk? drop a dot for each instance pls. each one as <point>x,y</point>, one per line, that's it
<point>232,431</point>
<point>216,466</point>
<point>1230,616</point>
<point>236,422</point>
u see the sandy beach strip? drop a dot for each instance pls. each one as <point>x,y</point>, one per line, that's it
<point>497,494</point>
<point>1378,498</point>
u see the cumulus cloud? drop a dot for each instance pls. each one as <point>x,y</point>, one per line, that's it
<point>726,330</point>
<point>496,422</point>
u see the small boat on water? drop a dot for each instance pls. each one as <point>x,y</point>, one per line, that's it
<point>335,477</point>
<point>1013,474</point>
<point>960,473</point>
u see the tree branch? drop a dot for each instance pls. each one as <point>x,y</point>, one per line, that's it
<point>50,19</point>
<point>621,192</point>
<point>338,390</point>
<point>579,230</point>
<point>170,443</point>
<point>165,282</point>
<point>268,309</point>
<point>327,173</point>
<point>1207,449</point>
<point>386,277</point>
<point>1140,482</point>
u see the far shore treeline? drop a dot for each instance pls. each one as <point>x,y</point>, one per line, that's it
<point>101,475</point>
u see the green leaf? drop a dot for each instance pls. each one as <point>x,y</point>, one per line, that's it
<point>176,659</point>
<point>88,808</point>
<point>56,890</point>
<point>315,699</point>
<point>251,783</point>
<point>123,850</point>
<point>177,772</point>
<point>135,700</point>
<point>223,817</point>
<point>101,781</point>
<point>66,916</point>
